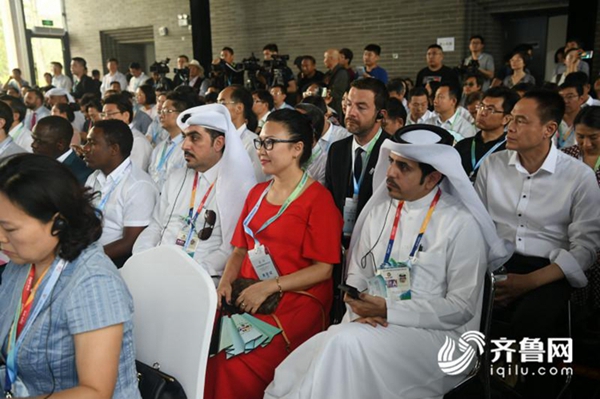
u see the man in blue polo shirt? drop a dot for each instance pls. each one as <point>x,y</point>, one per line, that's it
<point>370,59</point>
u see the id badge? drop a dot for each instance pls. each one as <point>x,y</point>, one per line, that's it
<point>377,286</point>
<point>397,281</point>
<point>262,263</point>
<point>182,237</point>
<point>350,211</point>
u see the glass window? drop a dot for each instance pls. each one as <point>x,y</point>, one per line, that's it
<point>46,13</point>
<point>45,50</point>
<point>3,55</point>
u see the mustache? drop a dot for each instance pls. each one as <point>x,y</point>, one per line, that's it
<point>391,183</point>
<point>188,154</point>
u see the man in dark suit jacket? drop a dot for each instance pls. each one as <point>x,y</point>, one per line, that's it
<point>52,137</point>
<point>351,161</point>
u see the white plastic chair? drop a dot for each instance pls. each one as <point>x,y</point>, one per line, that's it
<point>175,302</point>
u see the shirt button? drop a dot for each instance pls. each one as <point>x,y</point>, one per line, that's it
<point>519,239</point>
<point>524,196</point>
<point>528,177</point>
<point>519,215</point>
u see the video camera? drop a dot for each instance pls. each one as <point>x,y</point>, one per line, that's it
<point>161,67</point>
<point>276,62</point>
<point>472,68</point>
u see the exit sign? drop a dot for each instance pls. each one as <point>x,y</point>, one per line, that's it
<point>47,22</point>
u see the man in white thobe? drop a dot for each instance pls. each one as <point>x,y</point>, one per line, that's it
<point>387,347</point>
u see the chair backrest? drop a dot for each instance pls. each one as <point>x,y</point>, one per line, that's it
<point>175,302</point>
<point>488,304</point>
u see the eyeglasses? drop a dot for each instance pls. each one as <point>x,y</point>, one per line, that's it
<point>469,84</point>
<point>269,143</point>
<point>210,218</point>
<point>487,109</point>
<point>104,115</point>
<point>570,97</point>
<point>223,102</point>
<point>167,111</point>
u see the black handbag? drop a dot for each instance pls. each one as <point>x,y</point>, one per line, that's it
<point>154,384</point>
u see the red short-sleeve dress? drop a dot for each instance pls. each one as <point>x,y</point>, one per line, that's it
<point>308,231</point>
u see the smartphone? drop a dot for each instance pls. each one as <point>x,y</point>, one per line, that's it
<point>324,92</point>
<point>350,290</point>
<point>587,55</point>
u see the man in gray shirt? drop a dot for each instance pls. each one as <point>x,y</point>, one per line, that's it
<point>485,60</point>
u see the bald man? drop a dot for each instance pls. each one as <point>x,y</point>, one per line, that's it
<point>336,79</point>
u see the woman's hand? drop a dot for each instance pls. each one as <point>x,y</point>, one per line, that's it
<point>252,297</point>
<point>223,290</point>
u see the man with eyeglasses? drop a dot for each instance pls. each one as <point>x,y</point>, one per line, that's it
<point>572,94</point>
<point>167,156</point>
<point>238,101</point>
<point>473,83</point>
<point>263,104</point>
<point>119,107</point>
<point>483,62</point>
<point>200,204</point>
<point>493,115</point>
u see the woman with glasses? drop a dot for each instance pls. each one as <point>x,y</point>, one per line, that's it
<point>287,240</point>
<point>66,320</point>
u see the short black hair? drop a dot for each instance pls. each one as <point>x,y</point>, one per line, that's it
<point>396,85</point>
<point>473,97</point>
<point>550,105</point>
<point>309,58</point>
<point>264,96</point>
<point>17,70</point>
<point>317,101</point>
<point>524,56</point>
<point>228,49</point>
<point>17,105</point>
<point>184,56</point>
<point>6,113</point>
<point>281,87</point>
<point>523,86</point>
<point>375,48</point>
<point>348,54</point>
<point>395,109</point>
<point>417,92</point>
<point>56,63</point>
<point>135,65</point>
<point>116,132</point>
<point>435,45</point>
<point>37,93</point>
<point>578,77</point>
<point>509,97</point>
<point>66,109</point>
<point>122,103</point>
<point>477,37</point>
<point>453,90</point>
<point>116,82</point>
<point>95,72</point>
<point>43,187</point>
<point>272,47</point>
<point>478,78</point>
<point>180,101</point>
<point>56,127</point>
<point>112,59</point>
<point>575,85</point>
<point>316,116</point>
<point>298,127</point>
<point>149,93</point>
<point>81,61</point>
<point>589,116</point>
<point>243,96</point>
<point>377,87</point>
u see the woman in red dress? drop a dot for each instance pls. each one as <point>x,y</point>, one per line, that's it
<point>304,244</point>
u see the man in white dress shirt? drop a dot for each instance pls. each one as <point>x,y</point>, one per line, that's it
<point>18,131</point>
<point>127,195</point>
<point>421,291</point>
<point>263,104</point>
<point>546,203</point>
<point>113,75</point>
<point>417,105</point>
<point>58,79</point>
<point>448,113</point>
<point>138,77</point>
<point>119,107</point>
<point>238,101</point>
<point>167,156</point>
<point>200,205</point>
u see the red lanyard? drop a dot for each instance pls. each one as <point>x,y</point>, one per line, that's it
<point>193,217</point>
<point>27,297</point>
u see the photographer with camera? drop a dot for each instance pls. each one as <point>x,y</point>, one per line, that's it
<point>275,70</point>
<point>224,71</point>
<point>159,71</point>
<point>478,61</point>
<point>182,72</point>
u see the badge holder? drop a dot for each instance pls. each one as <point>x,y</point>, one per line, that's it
<point>350,212</point>
<point>392,281</point>
<point>262,263</point>
<point>187,239</point>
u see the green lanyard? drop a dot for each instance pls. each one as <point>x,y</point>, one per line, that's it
<point>597,165</point>
<point>358,183</point>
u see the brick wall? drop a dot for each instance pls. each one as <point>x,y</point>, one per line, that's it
<point>86,18</point>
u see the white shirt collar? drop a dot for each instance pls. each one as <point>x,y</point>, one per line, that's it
<point>449,121</point>
<point>423,202</point>
<point>241,129</point>
<point>211,174</point>
<point>365,147</point>
<point>115,174</point>
<point>64,156</point>
<point>549,164</point>
<point>16,128</point>
<point>327,136</point>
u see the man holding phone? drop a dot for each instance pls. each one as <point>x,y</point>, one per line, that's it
<point>420,249</point>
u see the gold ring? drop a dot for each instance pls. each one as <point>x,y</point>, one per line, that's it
<point>242,305</point>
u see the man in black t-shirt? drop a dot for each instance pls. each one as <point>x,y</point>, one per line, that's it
<point>436,71</point>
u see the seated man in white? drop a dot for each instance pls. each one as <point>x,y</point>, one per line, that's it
<point>200,204</point>
<point>431,283</point>
<point>125,195</point>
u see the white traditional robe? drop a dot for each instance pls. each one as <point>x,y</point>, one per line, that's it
<point>353,360</point>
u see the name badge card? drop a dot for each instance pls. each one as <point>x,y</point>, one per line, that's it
<point>350,211</point>
<point>263,264</point>
<point>182,238</point>
<point>397,280</point>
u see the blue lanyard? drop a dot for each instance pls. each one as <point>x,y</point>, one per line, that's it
<point>358,183</point>
<point>105,198</point>
<point>560,141</point>
<point>165,156</point>
<point>13,343</point>
<point>5,144</point>
<point>285,205</point>
<point>476,166</point>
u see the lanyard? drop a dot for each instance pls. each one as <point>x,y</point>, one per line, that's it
<point>295,194</point>
<point>26,320</point>
<point>192,217</point>
<point>18,132</point>
<point>105,198</point>
<point>597,165</point>
<point>562,141</point>
<point>415,247</point>
<point>164,156</point>
<point>476,166</point>
<point>358,183</point>
<point>314,156</point>
<point>5,144</point>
